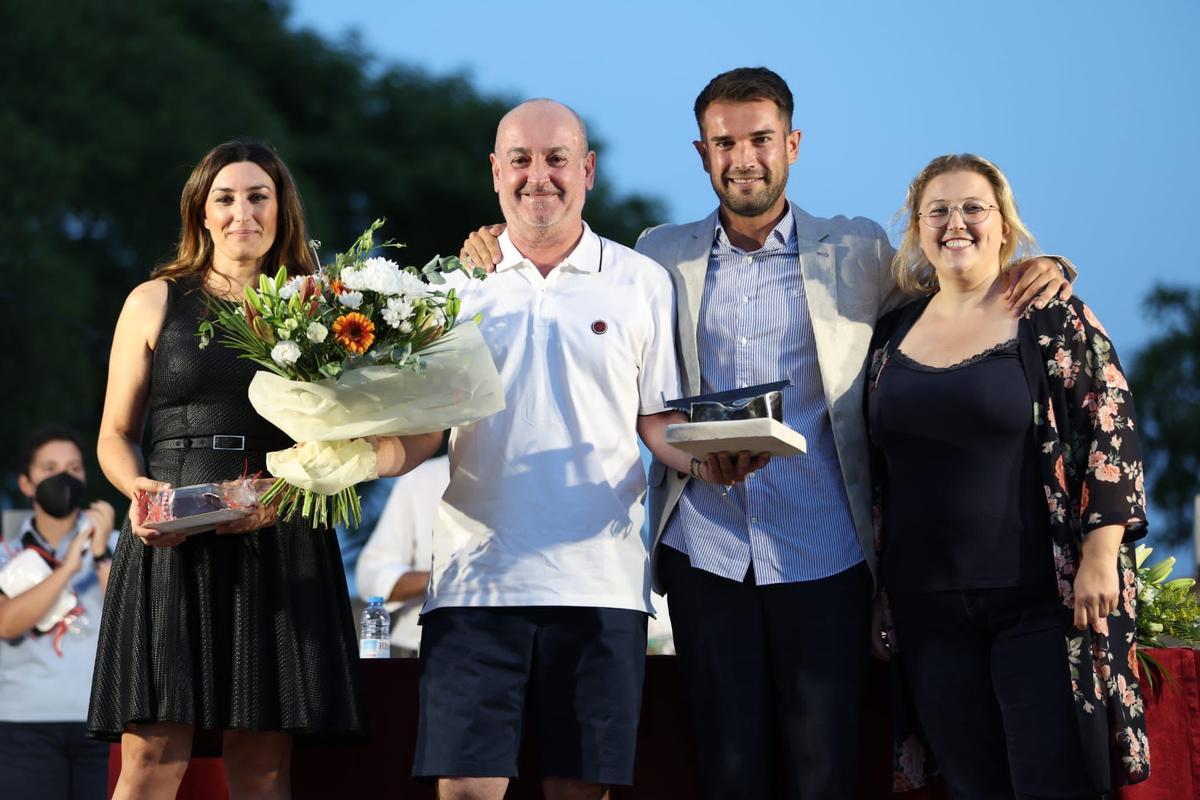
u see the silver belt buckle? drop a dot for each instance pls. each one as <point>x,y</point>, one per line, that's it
<point>228,442</point>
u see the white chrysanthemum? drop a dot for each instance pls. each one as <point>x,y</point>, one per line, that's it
<point>351,299</point>
<point>316,332</point>
<point>292,287</point>
<point>413,287</point>
<point>354,278</point>
<point>406,327</point>
<point>375,275</point>
<point>285,353</point>
<point>397,310</point>
<point>386,277</point>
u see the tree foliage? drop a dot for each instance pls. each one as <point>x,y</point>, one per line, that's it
<point>1166,384</point>
<point>106,107</point>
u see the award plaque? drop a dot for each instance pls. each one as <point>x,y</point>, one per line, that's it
<point>750,418</point>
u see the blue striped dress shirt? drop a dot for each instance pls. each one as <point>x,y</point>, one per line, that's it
<point>790,520</point>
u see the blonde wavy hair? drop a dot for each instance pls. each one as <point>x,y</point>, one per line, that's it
<point>911,269</point>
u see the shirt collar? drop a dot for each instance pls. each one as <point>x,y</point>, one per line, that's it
<point>781,236</point>
<point>584,258</point>
<point>30,536</point>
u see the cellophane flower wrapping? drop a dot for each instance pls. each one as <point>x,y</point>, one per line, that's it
<point>456,384</point>
<point>364,347</point>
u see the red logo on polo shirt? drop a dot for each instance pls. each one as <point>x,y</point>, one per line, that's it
<point>599,327</point>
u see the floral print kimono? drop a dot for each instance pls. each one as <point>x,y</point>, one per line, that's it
<point>1090,466</point>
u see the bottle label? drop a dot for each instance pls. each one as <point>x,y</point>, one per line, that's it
<point>373,648</point>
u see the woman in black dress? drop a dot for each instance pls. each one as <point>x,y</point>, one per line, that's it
<point>1009,481</point>
<point>245,636</point>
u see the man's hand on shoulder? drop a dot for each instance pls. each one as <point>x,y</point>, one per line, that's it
<point>1035,281</point>
<point>482,248</point>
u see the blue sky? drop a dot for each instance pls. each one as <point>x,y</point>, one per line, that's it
<point>1091,108</point>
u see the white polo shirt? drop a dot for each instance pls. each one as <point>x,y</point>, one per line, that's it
<point>544,505</point>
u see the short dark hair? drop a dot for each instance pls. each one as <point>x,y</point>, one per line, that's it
<point>742,85</point>
<point>42,436</point>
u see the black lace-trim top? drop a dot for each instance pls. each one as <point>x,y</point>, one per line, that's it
<point>1009,346</point>
<point>961,507</point>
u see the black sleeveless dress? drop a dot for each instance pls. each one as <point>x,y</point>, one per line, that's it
<point>250,631</point>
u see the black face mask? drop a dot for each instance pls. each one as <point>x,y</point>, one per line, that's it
<point>59,495</point>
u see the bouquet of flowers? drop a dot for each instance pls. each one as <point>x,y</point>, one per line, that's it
<point>1168,613</point>
<point>364,347</point>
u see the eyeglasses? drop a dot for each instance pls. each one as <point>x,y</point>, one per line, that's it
<point>972,214</point>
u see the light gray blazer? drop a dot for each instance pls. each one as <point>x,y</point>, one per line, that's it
<point>847,286</point>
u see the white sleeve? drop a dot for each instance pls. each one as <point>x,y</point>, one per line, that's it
<point>658,372</point>
<point>388,552</point>
<point>401,537</point>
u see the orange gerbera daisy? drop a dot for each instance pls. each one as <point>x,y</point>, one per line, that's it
<point>337,287</point>
<point>354,332</point>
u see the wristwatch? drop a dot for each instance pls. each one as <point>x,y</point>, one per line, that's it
<point>106,556</point>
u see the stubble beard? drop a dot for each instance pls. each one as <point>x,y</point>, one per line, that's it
<point>750,205</point>
<point>544,222</point>
<point>539,220</point>
<point>540,215</point>
<point>539,212</point>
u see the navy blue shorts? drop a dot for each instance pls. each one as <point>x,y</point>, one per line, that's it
<point>574,673</point>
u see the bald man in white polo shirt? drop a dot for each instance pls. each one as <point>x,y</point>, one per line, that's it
<point>540,586</point>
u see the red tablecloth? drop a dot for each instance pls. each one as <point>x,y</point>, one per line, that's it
<point>1173,727</point>
<point>665,767</point>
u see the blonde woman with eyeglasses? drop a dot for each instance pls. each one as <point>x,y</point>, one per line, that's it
<point>1008,481</point>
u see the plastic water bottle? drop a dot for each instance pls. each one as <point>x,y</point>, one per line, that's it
<point>375,638</point>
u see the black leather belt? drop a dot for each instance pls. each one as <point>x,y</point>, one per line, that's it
<point>221,441</point>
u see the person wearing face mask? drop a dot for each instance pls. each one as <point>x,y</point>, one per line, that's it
<point>48,631</point>
<point>240,638</point>
<point>1009,484</point>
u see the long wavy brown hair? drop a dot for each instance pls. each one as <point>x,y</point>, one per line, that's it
<point>194,252</point>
